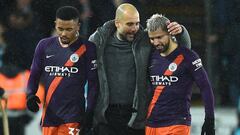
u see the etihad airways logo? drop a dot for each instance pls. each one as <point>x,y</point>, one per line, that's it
<point>163,80</point>
<point>61,71</point>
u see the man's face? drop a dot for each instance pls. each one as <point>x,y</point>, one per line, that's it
<point>160,40</point>
<point>127,27</point>
<point>67,30</point>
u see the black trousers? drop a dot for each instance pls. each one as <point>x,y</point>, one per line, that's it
<point>118,118</point>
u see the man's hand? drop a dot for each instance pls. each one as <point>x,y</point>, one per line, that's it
<point>32,103</point>
<point>208,127</point>
<point>174,28</point>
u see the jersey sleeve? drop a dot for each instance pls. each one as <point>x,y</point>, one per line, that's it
<point>36,69</point>
<point>92,78</point>
<point>201,78</point>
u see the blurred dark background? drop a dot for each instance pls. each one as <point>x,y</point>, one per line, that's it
<point>213,26</point>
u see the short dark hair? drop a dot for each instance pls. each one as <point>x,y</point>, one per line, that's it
<point>67,13</point>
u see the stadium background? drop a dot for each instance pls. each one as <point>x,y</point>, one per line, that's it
<point>212,24</point>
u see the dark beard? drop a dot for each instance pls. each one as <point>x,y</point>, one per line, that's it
<point>165,47</point>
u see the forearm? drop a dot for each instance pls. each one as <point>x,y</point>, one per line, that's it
<point>184,38</point>
<point>207,94</point>
<point>34,79</point>
<point>32,86</point>
<point>92,95</point>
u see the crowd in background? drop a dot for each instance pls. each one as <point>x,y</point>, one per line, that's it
<point>224,39</point>
<point>24,22</point>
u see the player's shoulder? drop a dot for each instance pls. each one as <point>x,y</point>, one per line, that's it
<point>44,43</point>
<point>88,44</point>
<point>188,53</point>
<point>47,41</point>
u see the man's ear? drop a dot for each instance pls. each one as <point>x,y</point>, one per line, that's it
<point>79,26</point>
<point>116,23</point>
<point>173,38</point>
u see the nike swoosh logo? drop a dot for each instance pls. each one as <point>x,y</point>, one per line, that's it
<point>49,56</point>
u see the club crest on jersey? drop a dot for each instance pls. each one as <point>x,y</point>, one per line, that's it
<point>172,67</point>
<point>74,58</point>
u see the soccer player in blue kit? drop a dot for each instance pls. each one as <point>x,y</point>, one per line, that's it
<point>66,63</point>
<point>173,69</point>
